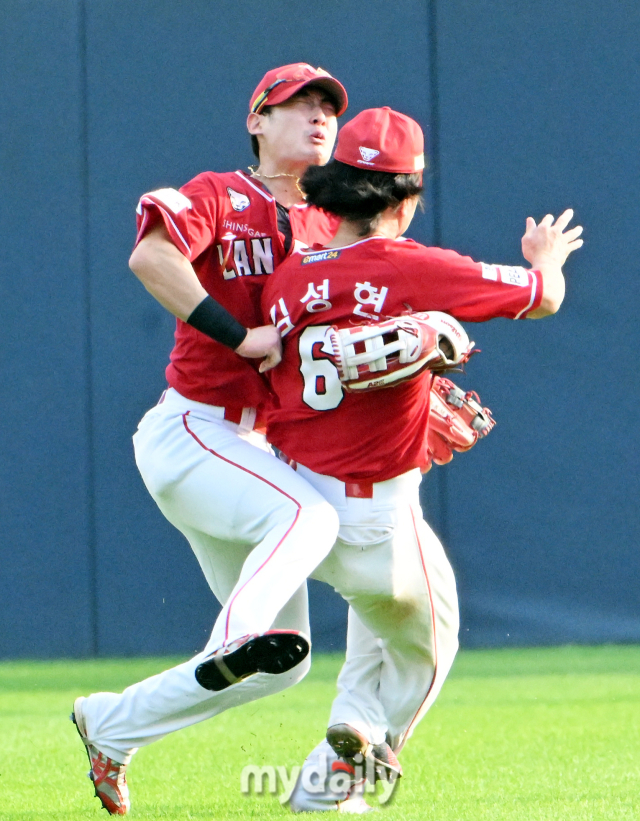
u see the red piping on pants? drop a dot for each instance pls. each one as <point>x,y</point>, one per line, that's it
<point>435,645</point>
<point>262,479</point>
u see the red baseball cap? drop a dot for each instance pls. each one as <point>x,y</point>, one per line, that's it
<point>380,139</point>
<point>280,84</point>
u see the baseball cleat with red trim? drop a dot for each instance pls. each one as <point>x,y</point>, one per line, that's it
<point>348,743</point>
<point>108,776</point>
<point>275,652</point>
<point>327,783</point>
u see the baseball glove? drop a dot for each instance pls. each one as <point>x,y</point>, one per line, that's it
<point>456,420</point>
<point>380,354</point>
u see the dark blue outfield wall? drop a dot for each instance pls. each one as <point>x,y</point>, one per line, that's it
<point>529,109</point>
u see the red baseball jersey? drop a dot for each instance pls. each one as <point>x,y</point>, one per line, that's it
<point>226,225</point>
<point>380,434</point>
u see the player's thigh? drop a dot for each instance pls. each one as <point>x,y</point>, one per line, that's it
<point>362,559</point>
<point>222,562</point>
<point>392,582</point>
<point>202,473</point>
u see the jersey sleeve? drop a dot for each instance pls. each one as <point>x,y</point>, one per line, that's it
<point>189,215</point>
<point>442,280</point>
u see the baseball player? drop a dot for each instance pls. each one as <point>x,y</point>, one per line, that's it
<point>256,526</point>
<point>364,450</point>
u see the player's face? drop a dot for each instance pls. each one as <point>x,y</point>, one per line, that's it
<point>300,131</point>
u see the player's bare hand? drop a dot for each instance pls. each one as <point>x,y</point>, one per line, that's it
<point>548,243</point>
<point>263,342</point>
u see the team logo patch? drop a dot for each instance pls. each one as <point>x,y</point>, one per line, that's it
<point>238,201</point>
<point>321,256</point>
<point>368,154</point>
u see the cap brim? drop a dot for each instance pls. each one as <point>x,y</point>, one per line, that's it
<point>285,91</point>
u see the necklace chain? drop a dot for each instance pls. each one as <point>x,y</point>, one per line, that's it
<point>253,170</point>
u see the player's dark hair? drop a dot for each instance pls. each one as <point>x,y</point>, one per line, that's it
<point>356,194</point>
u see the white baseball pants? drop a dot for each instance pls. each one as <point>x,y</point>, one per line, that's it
<point>257,528</point>
<point>403,616</point>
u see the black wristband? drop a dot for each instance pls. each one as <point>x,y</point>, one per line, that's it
<point>215,321</point>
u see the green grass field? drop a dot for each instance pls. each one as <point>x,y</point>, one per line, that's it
<point>516,734</point>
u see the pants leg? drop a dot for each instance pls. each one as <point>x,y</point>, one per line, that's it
<point>207,479</point>
<point>429,661</point>
<point>359,683</point>
<point>391,568</point>
<point>257,529</point>
<point>117,724</point>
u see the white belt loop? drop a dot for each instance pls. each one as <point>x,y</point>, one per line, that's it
<point>248,420</point>
<point>172,399</point>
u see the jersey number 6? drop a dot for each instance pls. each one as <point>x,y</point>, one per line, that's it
<point>322,387</point>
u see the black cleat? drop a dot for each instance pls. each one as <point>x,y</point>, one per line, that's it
<point>276,651</point>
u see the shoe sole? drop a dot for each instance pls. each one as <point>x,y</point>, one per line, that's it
<point>348,743</point>
<point>274,653</point>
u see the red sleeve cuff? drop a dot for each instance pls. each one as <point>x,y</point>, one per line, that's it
<point>150,210</point>
<point>535,294</point>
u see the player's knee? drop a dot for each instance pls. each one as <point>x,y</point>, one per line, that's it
<point>320,522</point>
<point>401,610</point>
<point>403,619</point>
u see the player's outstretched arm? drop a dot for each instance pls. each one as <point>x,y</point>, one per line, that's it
<point>546,246</point>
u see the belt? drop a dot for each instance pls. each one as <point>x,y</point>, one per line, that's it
<point>352,490</point>
<point>358,490</point>
<point>233,415</point>
<point>386,494</point>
